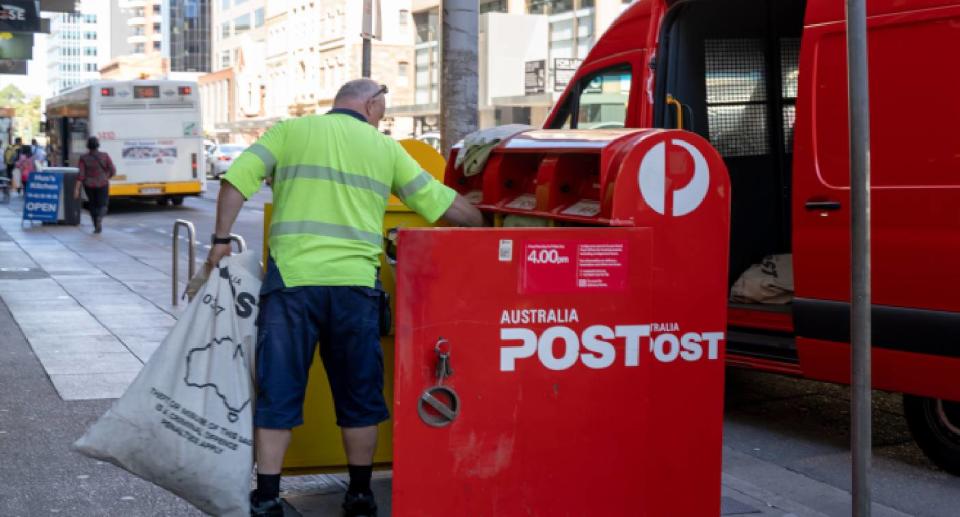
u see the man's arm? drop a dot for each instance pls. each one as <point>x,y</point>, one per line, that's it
<point>462,213</point>
<point>229,202</point>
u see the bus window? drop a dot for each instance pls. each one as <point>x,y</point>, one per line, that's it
<point>603,99</point>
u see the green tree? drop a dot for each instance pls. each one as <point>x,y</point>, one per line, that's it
<point>27,121</point>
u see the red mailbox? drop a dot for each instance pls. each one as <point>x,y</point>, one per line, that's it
<point>571,370</point>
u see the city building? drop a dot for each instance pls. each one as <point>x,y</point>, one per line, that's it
<point>77,46</point>
<point>141,22</point>
<point>286,58</point>
<point>188,32</point>
<point>528,50</point>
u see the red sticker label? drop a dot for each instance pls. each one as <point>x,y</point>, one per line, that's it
<point>564,266</point>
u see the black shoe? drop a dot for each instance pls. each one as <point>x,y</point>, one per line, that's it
<point>269,508</point>
<point>359,505</point>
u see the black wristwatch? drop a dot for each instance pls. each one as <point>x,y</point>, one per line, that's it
<point>219,240</point>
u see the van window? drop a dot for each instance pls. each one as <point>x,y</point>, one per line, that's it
<point>737,96</point>
<point>599,101</point>
<point>603,99</point>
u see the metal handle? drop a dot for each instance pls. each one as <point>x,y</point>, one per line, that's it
<point>673,101</point>
<point>241,244</point>
<point>191,251</point>
<point>822,205</point>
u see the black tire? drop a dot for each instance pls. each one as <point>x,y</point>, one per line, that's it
<point>935,425</point>
<point>177,200</point>
<point>162,201</point>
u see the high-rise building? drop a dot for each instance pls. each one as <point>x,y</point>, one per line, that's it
<point>544,39</point>
<point>188,33</point>
<point>77,46</point>
<point>144,25</point>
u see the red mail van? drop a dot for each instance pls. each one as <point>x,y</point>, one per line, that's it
<point>765,82</point>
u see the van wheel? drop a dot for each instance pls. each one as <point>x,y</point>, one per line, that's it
<point>162,201</point>
<point>935,425</point>
<point>177,200</point>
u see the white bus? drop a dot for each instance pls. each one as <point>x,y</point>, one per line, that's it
<point>150,128</point>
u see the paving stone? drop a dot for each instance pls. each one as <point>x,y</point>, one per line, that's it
<point>88,362</point>
<point>92,385</point>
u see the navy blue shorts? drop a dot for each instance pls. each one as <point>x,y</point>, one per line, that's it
<point>345,322</point>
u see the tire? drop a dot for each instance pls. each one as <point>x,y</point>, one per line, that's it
<point>162,201</point>
<point>177,200</point>
<point>935,426</point>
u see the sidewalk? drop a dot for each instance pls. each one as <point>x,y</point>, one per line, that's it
<point>93,308</point>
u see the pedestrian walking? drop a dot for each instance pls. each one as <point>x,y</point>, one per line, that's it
<point>26,167</point>
<point>10,157</point>
<point>96,169</point>
<point>39,154</point>
<point>332,175</point>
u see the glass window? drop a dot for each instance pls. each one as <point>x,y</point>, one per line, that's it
<point>404,15</point>
<point>737,96</point>
<point>225,30</point>
<point>428,24</point>
<point>156,26</point>
<point>225,59</point>
<point>138,48</point>
<point>156,8</point>
<point>554,6</point>
<point>241,24</point>
<point>156,45</point>
<point>258,16</point>
<point>493,6</point>
<point>601,100</point>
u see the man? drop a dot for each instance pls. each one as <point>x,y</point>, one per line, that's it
<point>10,157</point>
<point>39,153</point>
<point>331,177</point>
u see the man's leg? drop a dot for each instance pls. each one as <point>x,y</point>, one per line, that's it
<point>286,342</point>
<point>350,349</point>
<point>360,444</point>
<point>271,445</point>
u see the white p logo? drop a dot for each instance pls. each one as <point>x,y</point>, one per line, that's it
<point>653,179</point>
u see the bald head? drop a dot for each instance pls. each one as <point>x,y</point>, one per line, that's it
<point>360,95</point>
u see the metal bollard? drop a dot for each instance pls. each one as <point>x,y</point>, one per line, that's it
<point>191,251</point>
<point>241,243</point>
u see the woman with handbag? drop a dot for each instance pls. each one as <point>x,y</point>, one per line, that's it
<point>96,169</point>
<point>25,166</point>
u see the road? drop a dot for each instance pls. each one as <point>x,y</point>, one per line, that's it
<point>801,426</point>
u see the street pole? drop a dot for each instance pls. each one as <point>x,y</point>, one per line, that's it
<point>458,67</point>
<point>860,324</point>
<point>367,35</point>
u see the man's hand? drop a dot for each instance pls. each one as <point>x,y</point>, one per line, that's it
<point>217,252</point>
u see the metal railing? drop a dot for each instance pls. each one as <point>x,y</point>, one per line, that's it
<point>191,252</point>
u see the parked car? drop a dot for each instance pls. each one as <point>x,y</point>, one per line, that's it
<point>209,156</point>
<point>223,158</point>
<point>431,138</point>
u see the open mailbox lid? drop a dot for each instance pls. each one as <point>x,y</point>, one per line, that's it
<point>575,175</point>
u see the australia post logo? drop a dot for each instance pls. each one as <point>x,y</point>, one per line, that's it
<point>565,342</point>
<point>653,178</point>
